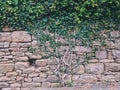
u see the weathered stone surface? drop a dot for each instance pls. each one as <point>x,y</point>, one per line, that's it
<point>115,34</point>
<point>6,68</point>
<point>5,37</point>
<point>41,63</point>
<point>33,75</point>
<point>4,85</point>
<point>10,74</point>
<point>21,65</point>
<point>6,29</point>
<point>29,70</point>
<point>116,53</point>
<point>87,78</point>
<point>15,85</point>
<point>117,43</point>
<point>110,78</point>
<point>39,79</point>
<point>46,84</point>
<point>21,36</point>
<point>42,69</point>
<point>114,67</point>
<point>29,85</point>
<point>25,58</point>
<point>4,79</point>
<point>82,49</point>
<point>95,68</point>
<point>52,79</point>
<point>101,54</point>
<point>79,69</point>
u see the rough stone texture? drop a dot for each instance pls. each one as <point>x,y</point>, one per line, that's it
<point>4,68</point>
<point>101,54</point>
<point>114,67</point>
<point>21,69</point>
<point>96,68</point>
<point>21,36</point>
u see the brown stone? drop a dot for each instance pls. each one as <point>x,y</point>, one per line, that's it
<point>41,63</point>
<point>3,85</point>
<point>5,37</point>
<point>31,85</point>
<point>106,60</point>
<point>82,49</point>
<point>29,70</point>
<point>10,74</point>
<point>117,43</point>
<point>25,58</point>
<point>52,79</point>
<point>95,68</point>
<point>21,36</point>
<point>79,69</point>
<point>46,84</point>
<point>6,68</point>
<point>116,53</point>
<point>6,29</point>
<point>15,85</point>
<point>115,34</point>
<point>33,75</point>
<point>21,65</point>
<point>101,54</point>
<point>4,79</point>
<point>87,78</point>
<point>108,78</point>
<point>113,67</point>
<point>39,79</point>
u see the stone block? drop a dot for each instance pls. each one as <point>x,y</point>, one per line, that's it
<point>20,36</point>
<point>29,70</point>
<point>21,65</point>
<point>4,68</point>
<point>25,58</point>
<point>96,68</point>
<point>113,67</point>
<point>3,85</point>
<point>116,53</point>
<point>101,54</point>
<point>5,37</point>
<point>115,34</point>
<point>41,63</point>
<point>79,69</point>
<point>39,79</point>
<point>31,85</point>
<point>117,43</point>
<point>87,78</point>
<point>52,79</point>
<point>82,49</point>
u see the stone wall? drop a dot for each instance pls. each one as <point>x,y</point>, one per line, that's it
<point>20,69</point>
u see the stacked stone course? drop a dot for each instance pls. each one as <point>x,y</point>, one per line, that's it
<point>16,72</point>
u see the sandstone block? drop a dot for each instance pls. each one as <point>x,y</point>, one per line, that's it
<point>42,69</point>
<point>25,58</point>
<point>21,65</point>
<point>41,63</point>
<point>46,84</point>
<point>21,36</point>
<point>116,53</point>
<point>3,85</point>
<point>5,37</point>
<point>15,85</point>
<point>6,68</point>
<point>29,70</point>
<point>115,34</point>
<point>31,85</point>
<point>79,69</point>
<point>55,85</point>
<point>82,49</point>
<point>33,75</point>
<point>39,79</point>
<point>95,68</point>
<point>108,78</point>
<point>113,67</point>
<point>117,43</point>
<point>87,78</point>
<point>101,54</point>
<point>10,74</point>
<point>4,79</point>
<point>52,79</point>
<point>6,29</point>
